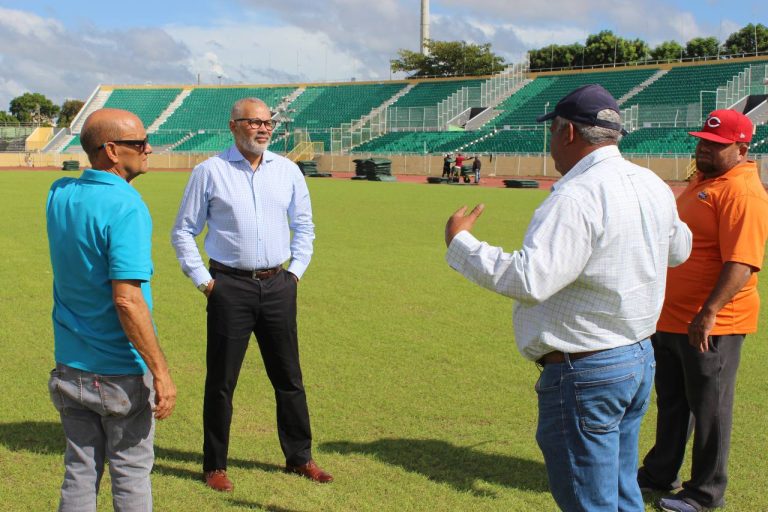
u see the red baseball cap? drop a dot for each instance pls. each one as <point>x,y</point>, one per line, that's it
<point>726,127</point>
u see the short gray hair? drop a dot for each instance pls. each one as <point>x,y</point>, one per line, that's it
<point>238,106</point>
<point>594,134</point>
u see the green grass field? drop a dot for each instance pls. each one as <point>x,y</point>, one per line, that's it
<point>418,396</point>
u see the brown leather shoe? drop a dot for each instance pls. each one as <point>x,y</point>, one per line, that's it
<point>312,471</point>
<point>218,480</point>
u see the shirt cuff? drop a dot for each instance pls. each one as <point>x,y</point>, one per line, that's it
<point>461,247</point>
<point>297,268</point>
<point>200,276</point>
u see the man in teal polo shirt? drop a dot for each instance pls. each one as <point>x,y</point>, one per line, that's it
<point>99,232</point>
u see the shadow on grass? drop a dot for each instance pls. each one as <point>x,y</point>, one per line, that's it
<point>47,437</point>
<point>44,437</point>
<point>259,506</point>
<point>197,458</point>
<point>458,466</point>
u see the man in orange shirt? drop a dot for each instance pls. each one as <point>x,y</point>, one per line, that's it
<point>711,304</point>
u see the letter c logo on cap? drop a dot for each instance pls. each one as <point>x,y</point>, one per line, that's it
<point>714,122</point>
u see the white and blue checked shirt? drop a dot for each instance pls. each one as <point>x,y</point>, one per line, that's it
<point>250,215</point>
<point>593,267</point>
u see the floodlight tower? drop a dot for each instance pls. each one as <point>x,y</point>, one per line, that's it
<point>424,26</point>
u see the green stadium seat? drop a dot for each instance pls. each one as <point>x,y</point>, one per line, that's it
<point>147,104</point>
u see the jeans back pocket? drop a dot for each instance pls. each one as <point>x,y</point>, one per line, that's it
<point>602,403</point>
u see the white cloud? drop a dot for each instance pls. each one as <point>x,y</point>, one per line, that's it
<point>536,37</point>
<point>25,24</point>
<point>253,53</point>
<point>41,55</point>
<point>728,27</point>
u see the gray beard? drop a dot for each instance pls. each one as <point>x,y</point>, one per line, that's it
<point>252,146</point>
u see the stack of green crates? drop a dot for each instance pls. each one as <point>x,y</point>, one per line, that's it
<point>70,165</point>
<point>521,183</point>
<point>373,169</point>
<point>309,169</point>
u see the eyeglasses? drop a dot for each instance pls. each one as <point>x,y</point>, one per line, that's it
<point>255,122</point>
<point>141,145</point>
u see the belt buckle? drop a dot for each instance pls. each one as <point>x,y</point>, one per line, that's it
<point>254,275</point>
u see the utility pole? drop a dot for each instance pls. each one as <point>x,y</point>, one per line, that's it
<point>424,26</point>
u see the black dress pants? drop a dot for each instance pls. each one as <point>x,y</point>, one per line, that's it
<point>699,387</point>
<point>237,307</point>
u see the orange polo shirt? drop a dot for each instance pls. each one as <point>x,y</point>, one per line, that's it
<point>728,216</point>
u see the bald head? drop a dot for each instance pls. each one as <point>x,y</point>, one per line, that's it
<point>105,125</point>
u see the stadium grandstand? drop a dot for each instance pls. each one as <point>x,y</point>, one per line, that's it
<point>494,115</point>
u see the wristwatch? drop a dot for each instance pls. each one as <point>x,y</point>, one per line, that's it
<point>203,286</point>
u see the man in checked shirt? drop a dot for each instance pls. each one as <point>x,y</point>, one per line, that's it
<point>589,285</point>
<point>251,200</point>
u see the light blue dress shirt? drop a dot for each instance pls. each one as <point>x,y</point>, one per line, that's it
<point>250,215</point>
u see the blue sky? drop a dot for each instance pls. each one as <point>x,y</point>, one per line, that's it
<point>64,49</point>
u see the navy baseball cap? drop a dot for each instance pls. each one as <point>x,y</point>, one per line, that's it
<point>582,106</point>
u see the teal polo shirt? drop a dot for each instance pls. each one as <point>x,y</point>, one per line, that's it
<point>99,229</point>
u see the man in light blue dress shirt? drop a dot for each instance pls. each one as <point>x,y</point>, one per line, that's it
<point>251,199</point>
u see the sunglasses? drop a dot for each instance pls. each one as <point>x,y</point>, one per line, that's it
<point>141,145</point>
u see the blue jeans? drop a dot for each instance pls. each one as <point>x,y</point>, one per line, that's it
<point>590,412</point>
<point>105,417</point>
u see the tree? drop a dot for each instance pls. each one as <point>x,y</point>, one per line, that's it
<point>34,108</point>
<point>639,51</point>
<point>69,110</point>
<point>6,118</point>
<point>748,40</point>
<point>668,50</point>
<point>449,58</point>
<point>556,56</point>
<point>702,47</point>
<point>607,48</point>
<point>602,48</point>
<point>544,58</point>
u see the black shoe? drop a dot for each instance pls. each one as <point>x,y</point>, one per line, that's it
<point>647,486</point>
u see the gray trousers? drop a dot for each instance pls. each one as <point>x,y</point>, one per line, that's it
<point>105,417</point>
<point>699,387</point>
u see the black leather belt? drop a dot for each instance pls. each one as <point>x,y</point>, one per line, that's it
<point>258,274</point>
<point>557,357</point>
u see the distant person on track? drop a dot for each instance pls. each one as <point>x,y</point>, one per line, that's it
<point>457,167</point>
<point>100,237</point>
<point>476,166</point>
<point>447,162</point>
<point>589,282</point>
<point>711,304</point>
<point>251,199</point>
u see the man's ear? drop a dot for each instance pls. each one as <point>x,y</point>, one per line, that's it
<point>111,151</point>
<point>570,133</point>
<point>743,149</point>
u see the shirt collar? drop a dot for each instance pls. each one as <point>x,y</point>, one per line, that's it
<point>233,155</point>
<point>594,158</point>
<point>739,169</point>
<point>104,177</point>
